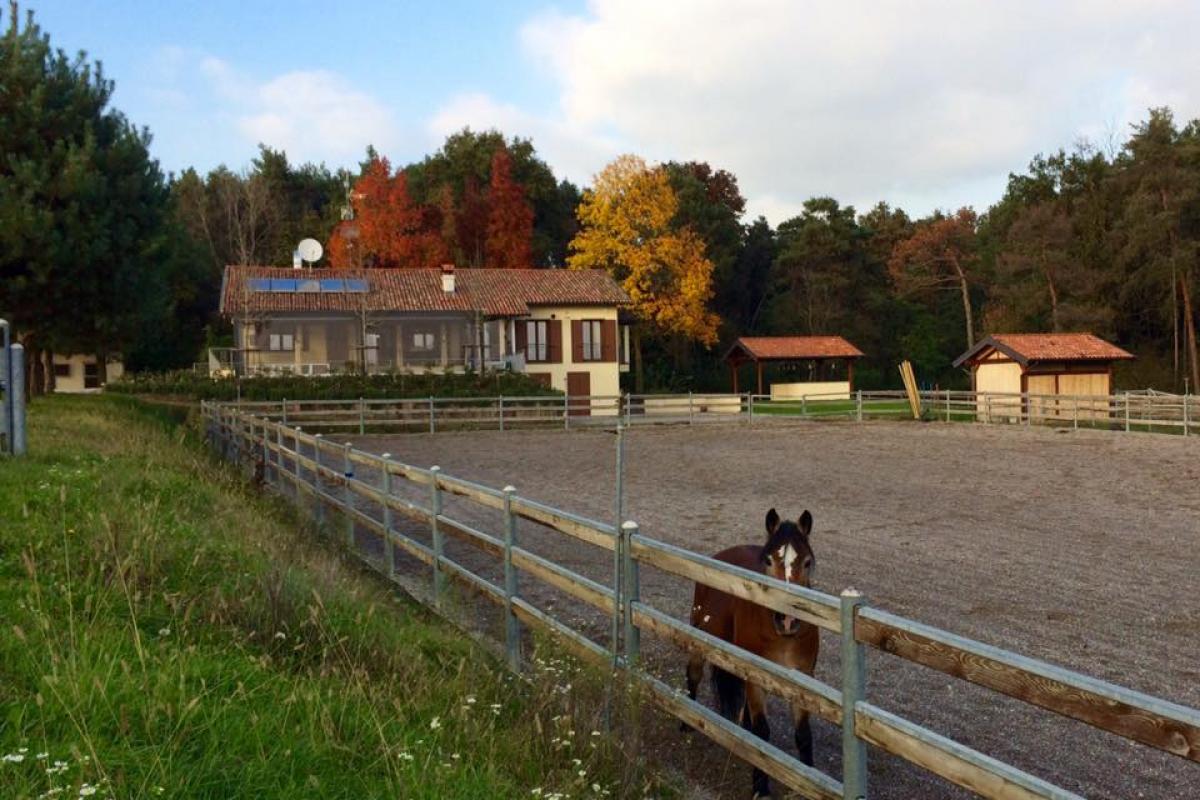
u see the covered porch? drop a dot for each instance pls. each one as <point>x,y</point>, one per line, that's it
<point>823,365</point>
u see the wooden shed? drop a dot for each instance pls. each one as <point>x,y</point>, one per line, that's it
<point>1041,364</point>
<point>830,361</point>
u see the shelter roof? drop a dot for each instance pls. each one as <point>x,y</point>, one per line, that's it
<point>791,348</point>
<point>494,292</point>
<point>1029,347</point>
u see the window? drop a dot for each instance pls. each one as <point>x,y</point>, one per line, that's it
<point>537,340</point>
<point>91,376</point>
<point>591,339</point>
<point>422,341</point>
<point>282,342</point>
<point>62,370</point>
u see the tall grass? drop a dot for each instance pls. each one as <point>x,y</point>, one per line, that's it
<point>168,631</point>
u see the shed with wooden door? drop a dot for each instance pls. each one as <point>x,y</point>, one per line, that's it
<point>822,366</point>
<point>1047,367</point>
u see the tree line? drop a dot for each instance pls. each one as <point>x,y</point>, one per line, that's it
<point>103,253</point>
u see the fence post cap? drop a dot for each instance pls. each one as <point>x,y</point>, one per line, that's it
<point>851,593</point>
<point>510,489</point>
<point>385,455</point>
<point>629,525</point>
<point>315,435</point>
<point>435,468</point>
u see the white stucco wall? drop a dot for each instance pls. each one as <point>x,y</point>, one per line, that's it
<point>605,376</point>
<point>815,390</point>
<point>73,383</point>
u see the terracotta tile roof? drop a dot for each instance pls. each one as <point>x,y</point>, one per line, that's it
<point>1027,347</point>
<point>795,347</point>
<point>495,292</point>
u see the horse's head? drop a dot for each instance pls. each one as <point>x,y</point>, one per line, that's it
<point>788,557</point>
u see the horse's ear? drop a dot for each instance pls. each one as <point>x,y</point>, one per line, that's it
<point>805,523</point>
<point>772,521</point>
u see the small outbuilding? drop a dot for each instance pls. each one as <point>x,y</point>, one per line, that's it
<point>1045,364</point>
<point>829,361</point>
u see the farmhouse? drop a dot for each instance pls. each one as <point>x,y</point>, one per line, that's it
<point>1041,365</point>
<point>558,326</point>
<point>826,364</point>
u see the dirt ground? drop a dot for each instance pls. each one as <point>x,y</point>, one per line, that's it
<point>1079,548</point>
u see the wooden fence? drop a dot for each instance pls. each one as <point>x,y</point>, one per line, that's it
<point>1158,413</point>
<point>310,469</point>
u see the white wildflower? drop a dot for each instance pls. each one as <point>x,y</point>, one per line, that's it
<point>164,631</point>
<point>435,723</point>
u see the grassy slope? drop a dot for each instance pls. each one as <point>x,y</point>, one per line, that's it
<point>168,632</point>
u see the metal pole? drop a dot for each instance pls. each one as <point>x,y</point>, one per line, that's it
<point>618,551</point>
<point>16,388</point>
<point>279,458</point>
<point>431,423</point>
<point>1186,422</point>
<point>347,496</point>
<point>691,413</point>
<point>628,409</point>
<point>750,406</point>
<point>6,409</point>
<point>566,411</point>
<point>1075,414</point>
<point>947,405</point>
<point>317,479</point>
<point>501,412</point>
<point>858,403</point>
<point>630,593</point>
<point>283,410</point>
<point>296,458</point>
<point>362,417</point>
<point>804,405</point>
<point>1127,412</point>
<point>389,551</point>
<point>854,674</point>
<point>435,507</point>
<point>512,628</point>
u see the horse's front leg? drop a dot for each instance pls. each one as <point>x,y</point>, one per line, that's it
<point>804,739</point>
<point>755,720</point>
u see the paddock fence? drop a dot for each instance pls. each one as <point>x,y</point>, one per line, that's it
<point>377,522</point>
<point>1142,412</point>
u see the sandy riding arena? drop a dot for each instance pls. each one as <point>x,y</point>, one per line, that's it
<point>1079,548</point>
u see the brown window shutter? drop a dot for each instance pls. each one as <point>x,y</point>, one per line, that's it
<point>576,341</point>
<point>608,340</point>
<point>554,353</point>
<point>522,341</point>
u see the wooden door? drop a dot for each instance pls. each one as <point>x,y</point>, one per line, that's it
<point>579,384</point>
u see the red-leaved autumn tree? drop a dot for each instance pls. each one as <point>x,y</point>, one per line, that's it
<point>393,231</point>
<point>510,219</point>
<point>941,254</point>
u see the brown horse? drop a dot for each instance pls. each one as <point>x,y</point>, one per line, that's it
<point>785,640</point>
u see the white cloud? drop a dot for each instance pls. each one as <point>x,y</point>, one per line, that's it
<point>923,103</point>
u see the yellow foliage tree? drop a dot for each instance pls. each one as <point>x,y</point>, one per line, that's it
<point>625,228</point>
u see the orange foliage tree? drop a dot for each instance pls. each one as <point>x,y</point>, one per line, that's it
<point>509,220</point>
<point>392,230</point>
<point>941,254</point>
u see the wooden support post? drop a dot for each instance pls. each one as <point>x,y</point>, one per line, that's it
<point>435,508</point>
<point>512,628</point>
<point>854,674</point>
<point>630,593</point>
<point>347,495</point>
<point>758,369</point>
<point>389,547</point>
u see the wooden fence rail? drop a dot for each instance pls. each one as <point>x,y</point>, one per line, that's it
<point>305,466</point>
<point>1159,413</point>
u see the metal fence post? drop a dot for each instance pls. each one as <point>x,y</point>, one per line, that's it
<point>750,406</point>
<point>296,459</point>
<point>630,593</point>
<point>435,508</point>
<point>279,458</point>
<point>283,410</point>
<point>512,628</point>
<point>947,405</point>
<point>1127,412</point>
<point>317,479</point>
<point>854,673</point>
<point>804,406</point>
<point>628,408</point>
<point>347,495</point>
<point>431,422</point>
<point>501,412</point>
<point>389,551</point>
<point>618,549</point>
<point>566,411</point>
<point>691,411</point>
<point>1075,414</point>
<point>858,404</point>
<point>16,389</point>
<point>362,416</point>
<point>1186,421</point>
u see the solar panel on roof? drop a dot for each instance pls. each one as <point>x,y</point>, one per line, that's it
<point>309,286</point>
<point>283,285</point>
<point>333,285</point>
<point>260,284</point>
<point>356,285</point>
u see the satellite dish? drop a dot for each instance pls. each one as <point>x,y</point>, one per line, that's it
<point>310,250</point>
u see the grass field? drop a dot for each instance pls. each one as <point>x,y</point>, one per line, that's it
<point>169,631</point>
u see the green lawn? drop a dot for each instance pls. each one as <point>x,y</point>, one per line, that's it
<point>168,631</point>
<point>831,408</point>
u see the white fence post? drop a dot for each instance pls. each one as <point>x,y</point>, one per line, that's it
<point>1186,421</point>
<point>858,404</point>
<point>1127,412</point>
<point>512,628</point>
<point>317,480</point>
<point>501,412</point>
<point>432,426</point>
<point>347,495</point>
<point>854,681</point>
<point>435,509</point>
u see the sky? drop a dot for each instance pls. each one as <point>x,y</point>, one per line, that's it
<point>921,104</point>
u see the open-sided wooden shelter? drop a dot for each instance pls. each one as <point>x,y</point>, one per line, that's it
<point>826,355</point>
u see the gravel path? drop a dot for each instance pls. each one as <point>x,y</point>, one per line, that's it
<point>1079,548</point>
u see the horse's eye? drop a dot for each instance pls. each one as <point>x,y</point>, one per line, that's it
<point>770,560</point>
<point>808,562</point>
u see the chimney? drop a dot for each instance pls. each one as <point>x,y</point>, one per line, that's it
<point>295,259</point>
<point>448,278</point>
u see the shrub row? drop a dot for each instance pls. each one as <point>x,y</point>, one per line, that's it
<point>185,383</point>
